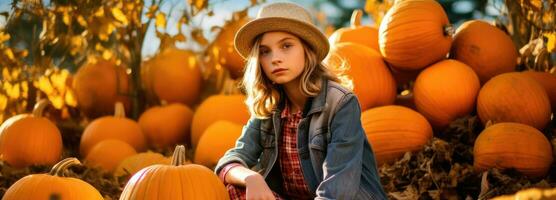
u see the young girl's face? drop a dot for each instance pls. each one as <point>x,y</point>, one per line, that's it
<point>282,56</point>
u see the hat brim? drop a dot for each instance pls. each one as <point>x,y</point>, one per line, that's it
<point>244,38</point>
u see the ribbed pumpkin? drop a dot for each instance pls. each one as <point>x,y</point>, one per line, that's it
<point>445,91</point>
<point>485,48</point>
<point>372,81</point>
<point>52,185</point>
<point>394,130</point>
<point>223,48</point>
<point>514,97</point>
<point>218,107</point>
<point>216,140</point>
<point>173,76</point>
<point>415,34</point>
<point>357,33</point>
<point>30,139</point>
<point>98,85</point>
<point>113,127</point>
<point>134,163</point>
<point>175,181</point>
<point>166,125</point>
<point>513,145</point>
<point>108,154</point>
<point>548,81</point>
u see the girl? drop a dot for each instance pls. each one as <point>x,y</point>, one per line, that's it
<point>305,139</point>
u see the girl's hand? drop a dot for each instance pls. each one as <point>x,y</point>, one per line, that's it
<point>257,189</point>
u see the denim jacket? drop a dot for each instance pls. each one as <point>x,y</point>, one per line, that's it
<point>336,159</point>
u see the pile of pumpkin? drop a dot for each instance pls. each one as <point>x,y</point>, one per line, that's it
<point>444,76</point>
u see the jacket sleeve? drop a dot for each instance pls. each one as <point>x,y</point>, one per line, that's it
<point>247,149</point>
<point>343,162</point>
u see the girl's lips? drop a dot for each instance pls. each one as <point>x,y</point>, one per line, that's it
<point>278,70</point>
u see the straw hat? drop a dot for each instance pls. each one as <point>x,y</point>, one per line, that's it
<point>288,17</point>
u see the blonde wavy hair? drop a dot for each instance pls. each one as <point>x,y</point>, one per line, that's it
<point>263,95</point>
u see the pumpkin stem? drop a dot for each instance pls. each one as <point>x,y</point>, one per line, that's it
<point>119,110</point>
<point>59,168</point>
<point>449,30</point>
<point>39,107</point>
<point>179,156</point>
<point>356,18</point>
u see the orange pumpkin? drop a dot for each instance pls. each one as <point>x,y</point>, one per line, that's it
<point>52,185</point>
<point>167,125</point>
<point>134,163</point>
<point>415,34</point>
<point>394,130</point>
<point>173,76</point>
<point>30,139</point>
<point>372,81</point>
<point>513,145</point>
<point>176,181</point>
<point>216,140</point>
<point>218,107</point>
<point>112,127</point>
<point>108,154</point>
<point>357,33</point>
<point>548,81</point>
<point>514,97</point>
<point>445,91</point>
<point>485,48</point>
<point>224,51</point>
<point>98,85</point>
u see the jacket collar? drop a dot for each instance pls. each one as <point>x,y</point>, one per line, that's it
<point>314,104</point>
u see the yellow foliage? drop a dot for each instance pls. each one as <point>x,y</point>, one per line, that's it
<point>160,20</point>
<point>3,102</point>
<point>119,15</point>
<point>199,4</point>
<point>551,41</point>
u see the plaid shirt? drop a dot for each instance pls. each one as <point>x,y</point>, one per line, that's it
<point>294,184</point>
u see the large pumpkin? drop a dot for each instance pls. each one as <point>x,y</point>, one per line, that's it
<point>394,130</point>
<point>216,140</point>
<point>513,145</point>
<point>175,181</point>
<point>485,48</point>
<point>218,107</point>
<point>415,34</point>
<point>372,81</point>
<point>514,97</point>
<point>548,81</point>
<point>108,154</point>
<point>167,125</point>
<point>30,139</point>
<point>223,49</point>
<point>173,76</point>
<point>112,127</point>
<point>134,163</point>
<point>52,186</point>
<point>357,33</point>
<point>445,91</point>
<point>98,85</point>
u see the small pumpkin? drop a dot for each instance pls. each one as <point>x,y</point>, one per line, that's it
<point>166,125</point>
<point>175,181</point>
<point>372,81</point>
<point>53,185</point>
<point>548,81</point>
<point>98,85</point>
<point>218,107</point>
<point>30,139</point>
<point>224,51</point>
<point>445,91</point>
<point>173,76</point>
<point>108,154</point>
<point>502,99</point>
<point>113,127</point>
<point>485,48</point>
<point>394,130</point>
<point>216,140</point>
<point>513,145</point>
<point>134,163</point>
<point>357,33</point>
<point>415,34</point>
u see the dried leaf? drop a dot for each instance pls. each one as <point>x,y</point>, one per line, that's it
<point>198,36</point>
<point>4,37</point>
<point>66,18</point>
<point>100,12</point>
<point>160,20</point>
<point>179,37</point>
<point>8,52</point>
<point>119,15</point>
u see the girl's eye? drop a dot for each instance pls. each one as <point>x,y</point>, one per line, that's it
<point>264,52</point>
<point>286,46</point>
